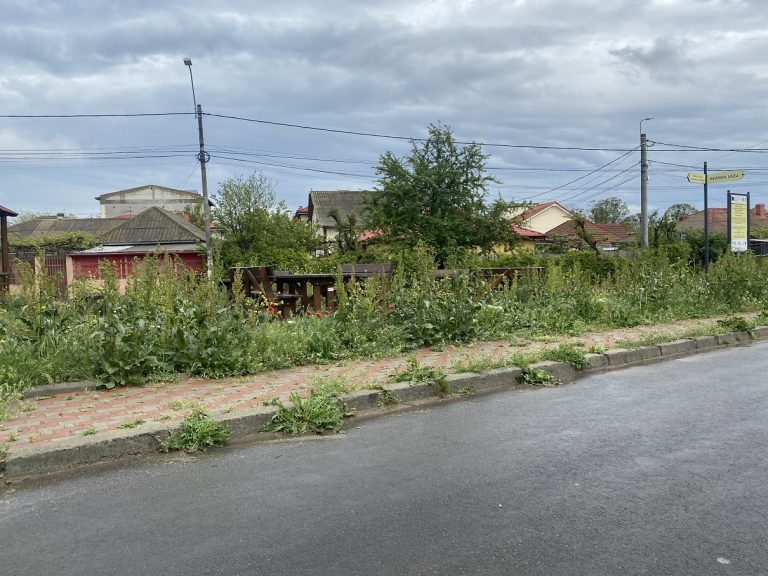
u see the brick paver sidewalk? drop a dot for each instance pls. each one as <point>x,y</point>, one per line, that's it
<point>46,419</point>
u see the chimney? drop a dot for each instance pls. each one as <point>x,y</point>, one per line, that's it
<point>760,210</point>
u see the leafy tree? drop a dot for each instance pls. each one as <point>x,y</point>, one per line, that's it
<point>346,240</point>
<point>580,229</point>
<point>676,211</point>
<point>436,195</point>
<point>257,229</point>
<point>612,210</point>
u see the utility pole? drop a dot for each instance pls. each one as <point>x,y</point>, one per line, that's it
<point>706,221</point>
<point>203,157</point>
<point>643,185</point>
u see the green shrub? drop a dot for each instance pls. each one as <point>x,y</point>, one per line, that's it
<point>567,353</point>
<point>197,432</point>
<point>319,412</point>
<point>537,377</point>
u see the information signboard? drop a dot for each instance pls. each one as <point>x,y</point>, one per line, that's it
<point>738,222</point>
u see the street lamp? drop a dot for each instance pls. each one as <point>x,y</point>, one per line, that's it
<point>203,157</point>
<point>644,185</point>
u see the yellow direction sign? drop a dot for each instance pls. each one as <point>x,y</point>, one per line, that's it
<point>715,177</point>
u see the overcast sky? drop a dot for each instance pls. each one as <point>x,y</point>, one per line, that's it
<point>547,73</point>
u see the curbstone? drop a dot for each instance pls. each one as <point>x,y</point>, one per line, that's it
<point>617,357</point>
<point>705,342</point>
<point>743,337</point>
<point>76,451</point>
<point>678,347</point>
<point>728,339</point>
<point>408,391</point>
<point>760,333</point>
<point>360,399</point>
<point>249,423</point>
<point>596,361</point>
<point>496,378</point>
<point>563,371</point>
<point>643,353</point>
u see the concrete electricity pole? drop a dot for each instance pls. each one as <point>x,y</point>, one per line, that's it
<point>643,186</point>
<point>203,157</point>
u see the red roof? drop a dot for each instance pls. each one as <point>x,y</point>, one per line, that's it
<point>603,233</point>
<point>527,232</point>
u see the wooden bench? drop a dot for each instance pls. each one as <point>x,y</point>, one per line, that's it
<point>258,282</point>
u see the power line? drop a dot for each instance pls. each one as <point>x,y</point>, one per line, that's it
<point>584,176</point>
<point>134,115</point>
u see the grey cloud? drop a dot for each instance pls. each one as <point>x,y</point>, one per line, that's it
<point>663,59</point>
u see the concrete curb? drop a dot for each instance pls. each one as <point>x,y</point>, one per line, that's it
<point>64,455</point>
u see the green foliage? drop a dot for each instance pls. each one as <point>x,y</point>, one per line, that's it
<point>437,195</point>
<point>537,377</point>
<point>256,229</point>
<point>90,431</point>
<point>417,372</point>
<point>3,451</point>
<point>65,241</point>
<point>387,398</point>
<point>735,324</point>
<point>319,412</point>
<point>198,431</point>
<point>481,364</point>
<point>611,210</point>
<point>567,353</point>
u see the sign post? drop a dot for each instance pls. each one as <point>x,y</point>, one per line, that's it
<point>714,178</point>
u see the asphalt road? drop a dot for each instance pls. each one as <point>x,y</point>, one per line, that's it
<point>649,470</point>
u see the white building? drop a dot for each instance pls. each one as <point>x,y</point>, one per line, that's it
<point>135,200</point>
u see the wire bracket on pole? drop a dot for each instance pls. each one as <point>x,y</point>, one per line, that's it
<point>203,157</point>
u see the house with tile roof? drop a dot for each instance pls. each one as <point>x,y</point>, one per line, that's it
<point>607,236</point>
<point>323,202</point>
<point>718,220</point>
<point>542,217</point>
<point>153,232</point>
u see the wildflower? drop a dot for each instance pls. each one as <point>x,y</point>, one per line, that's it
<point>271,310</point>
<point>309,312</point>
<point>319,315</point>
<point>327,312</point>
<point>390,306</point>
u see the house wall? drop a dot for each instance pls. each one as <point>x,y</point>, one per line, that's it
<point>549,218</point>
<point>137,201</point>
<point>86,266</point>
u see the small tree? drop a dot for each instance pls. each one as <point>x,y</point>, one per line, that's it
<point>436,195</point>
<point>612,210</point>
<point>257,229</point>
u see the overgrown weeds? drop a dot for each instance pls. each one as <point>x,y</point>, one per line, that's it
<point>197,432</point>
<point>320,412</point>
<point>567,353</point>
<point>418,372</point>
<point>537,377</point>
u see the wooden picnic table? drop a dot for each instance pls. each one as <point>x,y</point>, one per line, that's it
<point>311,288</point>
